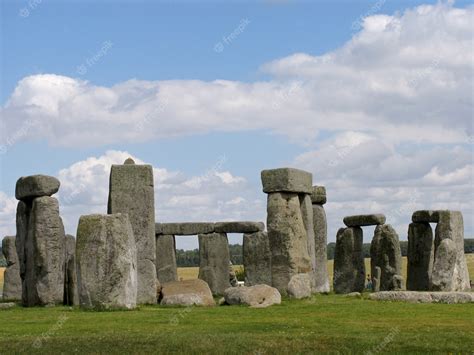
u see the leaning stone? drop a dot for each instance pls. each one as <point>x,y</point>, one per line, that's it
<point>288,239</point>
<point>425,216</point>
<point>318,195</point>
<point>187,293</point>
<point>106,258</point>
<point>420,256</point>
<point>320,244</point>
<point>364,220</point>
<point>239,227</point>
<point>258,296</point>
<point>7,305</point>
<point>307,213</point>
<point>299,286</point>
<point>287,180</point>
<point>442,278</point>
<point>349,267</point>
<point>131,191</point>
<point>188,228</point>
<point>71,295</point>
<point>36,186</point>
<point>257,259</point>
<point>214,261</point>
<point>11,276</point>
<point>166,268</point>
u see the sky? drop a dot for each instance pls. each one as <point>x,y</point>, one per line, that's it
<point>374,98</point>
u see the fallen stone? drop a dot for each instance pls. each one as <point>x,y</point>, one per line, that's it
<point>239,227</point>
<point>287,180</point>
<point>307,213</point>
<point>188,228</point>
<point>320,244</point>
<point>420,256</point>
<point>423,297</point>
<point>166,268</point>
<point>425,216</point>
<point>318,195</point>
<point>257,259</point>
<point>11,277</point>
<point>258,296</point>
<point>214,261</point>
<point>354,295</point>
<point>71,295</point>
<point>7,305</point>
<point>36,186</point>
<point>106,258</point>
<point>187,293</point>
<point>364,220</point>
<point>131,191</point>
<point>299,286</point>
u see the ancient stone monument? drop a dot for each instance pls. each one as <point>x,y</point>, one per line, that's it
<point>420,256</point>
<point>318,199</point>
<point>106,258</point>
<point>257,259</point>
<point>71,296</point>
<point>131,191</point>
<point>40,241</point>
<point>166,269</point>
<point>11,276</point>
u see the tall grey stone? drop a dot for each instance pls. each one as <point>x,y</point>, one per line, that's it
<point>307,214</point>
<point>166,268</point>
<point>131,191</point>
<point>71,295</point>
<point>106,262</point>
<point>349,267</point>
<point>450,226</point>
<point>420,256</point>
<point>288,239</point>
<point>320,241</point>
<point>385,253</point>
<point>257,259</point>
<point>214,261</point>
<point>11,276</point>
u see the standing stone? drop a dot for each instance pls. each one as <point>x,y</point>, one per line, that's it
<point>71,296</point>
<point>349,267</point>
<point>166,269</point>
<point>11,276</point>
<point>214,261</point>
<point>307,213</point>
<point>23,211</point>
<point>376,279</point>
<point>320,241</point>
<point>450,226</point>
<point>106,258</point>
<point>420,256</point>
<point>288,239</point>
<point>385,253</point>
<point>131,191</point>
<point>257,259</point>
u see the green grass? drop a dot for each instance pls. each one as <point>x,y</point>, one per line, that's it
<point>321,324</point>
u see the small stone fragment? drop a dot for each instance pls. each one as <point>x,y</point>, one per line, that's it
<point>258,296</point>
<point>318,195</point>
<point>187,293</point>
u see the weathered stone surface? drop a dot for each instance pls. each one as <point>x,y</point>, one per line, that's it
<point>239,227</point>
<point>349,267</point>
<point>29,187</point>
<point>307,214</point>
<point>300,286</point>
<point>420,256</point>
<point>131,191</point>
<point>287,180</point>
<point>376,279</point>
<point>41,251</point>
<point>187,228</point>
<point>106,258</point>
<point>11,276</point>
<point>71,295</point>
<point>364,220</point>
<point>320,244</point>
<point>7,305</point>
<point>385,253</point>
<point>425,216</point>
<point>424,297</point>
<point>257,259</point>
<point>214,261</point>
<point>187,293</point>
<point>318,195</point>
<point>288,239</point>
<point>450,226</point>
<point>354,295</point>
<point>166,268</point>
<point>258,296</point>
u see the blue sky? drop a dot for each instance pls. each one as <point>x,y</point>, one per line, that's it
<point>172,44</point>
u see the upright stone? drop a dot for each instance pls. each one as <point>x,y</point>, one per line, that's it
<point>450,226</point>
<point>11,276</point>
<point>385,253</point>
<point>23,212</point>
<point>376,279</point>
<point>132,192</point>
<point>420,256</point>
<point>257,259</point>
<point>106,258</point>
<point>320,241</point>
<point>307,213</point>
<point>349,267</point>
<point>214,261</point>
<point>166,269</point>
<point>71,296</point>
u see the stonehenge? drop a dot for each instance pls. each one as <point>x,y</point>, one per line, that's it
<point>71,296</point>
<point>11,277</point>
<point>321,276</point>
<point>214,261</point>
<point>257,259</point>
<point>166,269</point>
<point>420,256</point>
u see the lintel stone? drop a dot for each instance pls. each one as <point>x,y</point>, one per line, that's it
<point>287,180</point>
<point>364,220</point>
